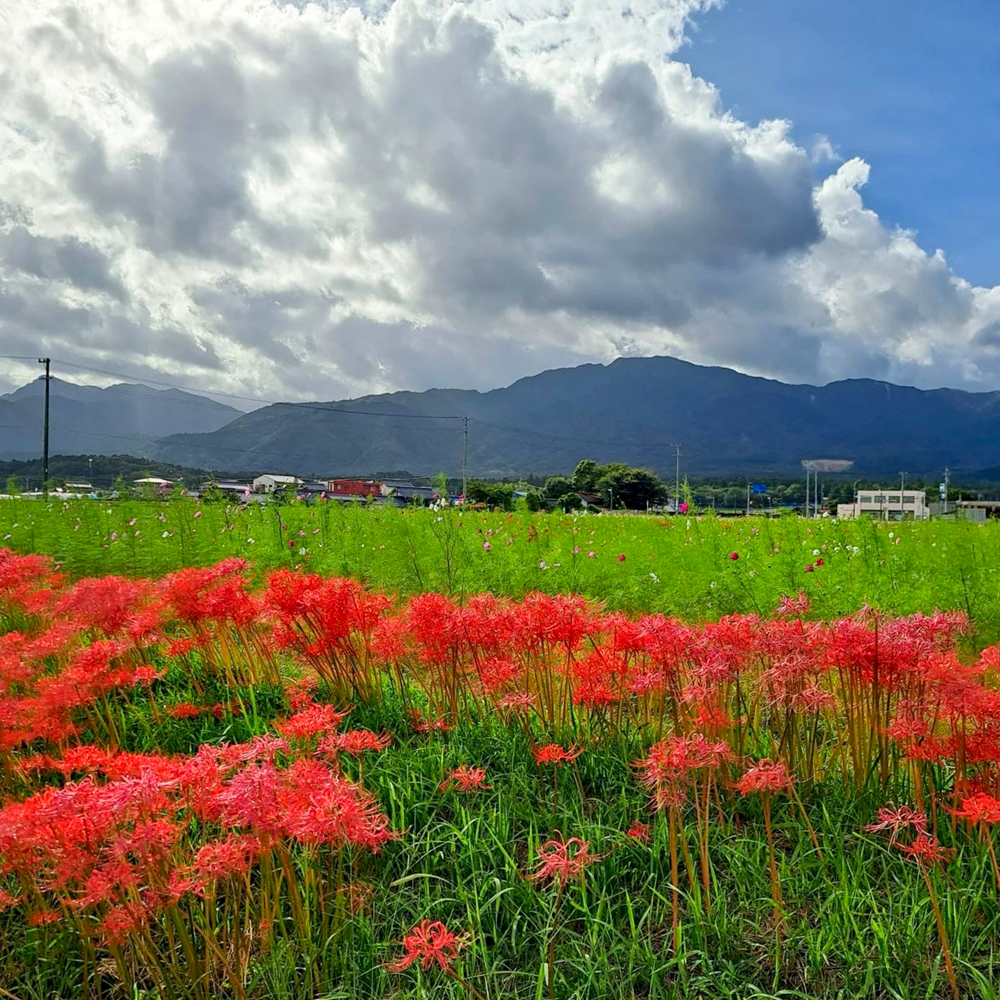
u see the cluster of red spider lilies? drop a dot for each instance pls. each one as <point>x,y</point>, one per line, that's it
<point>133,849</point>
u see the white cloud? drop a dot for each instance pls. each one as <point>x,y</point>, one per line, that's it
<point>306,201</point>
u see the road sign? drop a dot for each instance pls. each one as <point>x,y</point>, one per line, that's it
<point>758,487</point>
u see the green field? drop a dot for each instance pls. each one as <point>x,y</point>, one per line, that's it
<point>730,887</point>
<point>676,566</point>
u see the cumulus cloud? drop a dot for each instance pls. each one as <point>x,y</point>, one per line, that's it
<point>297,201</point>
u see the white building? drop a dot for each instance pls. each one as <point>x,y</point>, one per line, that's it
<point>153,486</point>
<point>268,484</point>
<point>887,505</point>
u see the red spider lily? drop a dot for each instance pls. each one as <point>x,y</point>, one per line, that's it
<point>210,593</point>
<point>598,677</point>
<point>320,806</point>
<point>312,721</point>
<point>560,860</point>
<point>26,582</point>
<point>765,776</point>
<point>112,605</point>
<point>320,617</point>
<point>979,808</point>
<point>639,832</point>
<point>354,741</point>
<point>181,647</point>
<point>562,619</point>
<point>925,849</point>
<point>711,716</point>
<point>435,627</point>
<point>465,779</point>
<point>517,701</point>
<point>426,726</point>
<point>896,819</point>
<point>794,606</point>
<point>300,692</point>
<point>184,710</point>
<point>82,760</point>
<point>497,672</point>
<point>553,753</point>
<point>429,943</point>
<point>389,640</point>
<point>223,859</point>
<point>668,767</point>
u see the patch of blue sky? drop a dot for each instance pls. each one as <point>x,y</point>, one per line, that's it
<point>910,86</point>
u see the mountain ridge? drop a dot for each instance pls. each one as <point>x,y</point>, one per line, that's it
<point>87,419</point>
<point>632,410</point>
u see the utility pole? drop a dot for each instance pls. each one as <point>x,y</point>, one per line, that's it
<point>902,486</point>
<point>45,432</point>
<point>677,479</point>
<point>465,458</point>
<point>748,499</point>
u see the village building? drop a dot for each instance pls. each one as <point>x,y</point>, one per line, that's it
<point>230,487</point>
<point>403,489</point>
<point>150,486</point>
<point>887,505</point>
<point>354,487</point>
<point>269,483</point>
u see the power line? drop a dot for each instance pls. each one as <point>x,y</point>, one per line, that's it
<point>527,431</point>
<point>328,408</point>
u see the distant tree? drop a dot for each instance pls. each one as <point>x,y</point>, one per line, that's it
<point>557,486</point>
<point>492,494</point>
<point>634,489</point>
<point>586,475</point>
<point>561,492</point>
<point>440,485</point>
<point>210,493</point>
<point>13,485</point>
<point>533,500</point>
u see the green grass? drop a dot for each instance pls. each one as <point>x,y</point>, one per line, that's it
<point>858,922</point>
<point>678,566</point>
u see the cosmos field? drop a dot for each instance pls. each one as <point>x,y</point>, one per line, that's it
<point>312,752</point>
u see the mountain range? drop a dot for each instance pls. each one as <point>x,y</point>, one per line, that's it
<point>633,410</point>
<point>84,419</point>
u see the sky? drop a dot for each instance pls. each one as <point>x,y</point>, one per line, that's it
<point>321,201</point>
